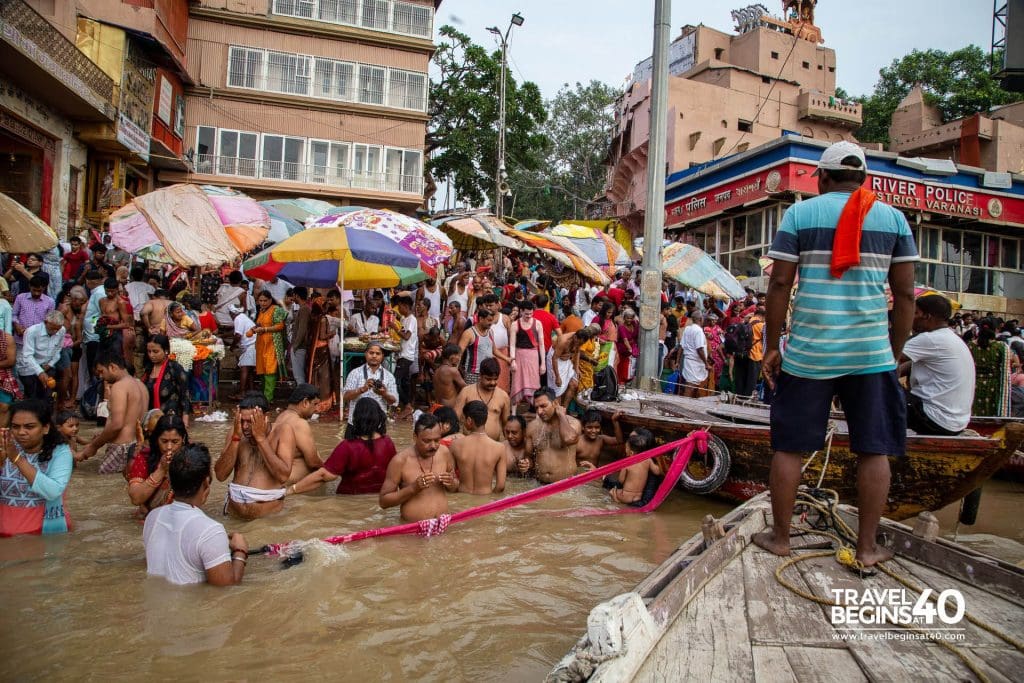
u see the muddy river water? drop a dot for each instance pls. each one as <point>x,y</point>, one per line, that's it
<point>497,598</point>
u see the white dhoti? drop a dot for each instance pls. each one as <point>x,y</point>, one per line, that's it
<point>566,373</point>
<point>248,494</point>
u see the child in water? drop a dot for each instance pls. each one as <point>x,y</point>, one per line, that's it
<point>637,484</point>
<point>66,422</point>
<point>451,429</point>
<point>592,441</point>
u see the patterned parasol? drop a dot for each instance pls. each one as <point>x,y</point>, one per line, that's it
<point>691,266</point>
<point>600,247</point>
<point>21,231</point>
<point>478,232</point>
<point>563,251</point>
<point>427,243</point>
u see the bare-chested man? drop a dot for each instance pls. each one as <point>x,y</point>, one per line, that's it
<point>563,370</point>
<point>154,311</point>
<point>487,390</point>
<point>480,458</point>
<point>292,437</point>
<point>127,401</point>
<point>257,488</point>
<point>419,476</point>
<point>114,316</point>
<point>515,443</point>
<point>448,380</point>
<point>592,441</point>
<point>73,309</point>
<point>551,439</point>
<point>629,486</point>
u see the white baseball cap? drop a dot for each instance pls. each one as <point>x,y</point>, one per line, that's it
<point>832,157</point>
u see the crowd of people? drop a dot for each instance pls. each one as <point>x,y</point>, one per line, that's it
<point>486,366</point>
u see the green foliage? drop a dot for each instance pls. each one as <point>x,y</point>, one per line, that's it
<point>462,138</point>
<point>578,131</point>
<point>958,83</point>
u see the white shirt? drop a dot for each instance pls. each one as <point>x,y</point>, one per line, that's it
<point>357,378</point>
<point>138,294</point>
<point>243,324</point>
<point>588,317</point>
<point>942,376</point>
<point>39,348</point>
<point>692,341</point>
<point>360,324</point>
<point>182,543</point>
<point>410,346</point>
<point>277,289</point>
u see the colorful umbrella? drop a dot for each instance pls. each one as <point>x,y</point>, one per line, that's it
<point>245,220</point>
<point>300,209</point>
<point>925,290</point>
<point>353,273</point>
<point>600,247</point>
<point>691,266</point>
<point>563,251</point>
<point>478,232</point>
<point>532,224</point>
<point>21,231</point>
<point>430,245</point>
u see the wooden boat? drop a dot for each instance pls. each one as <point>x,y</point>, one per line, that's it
<point>714,610</point>
<point>937,470</point>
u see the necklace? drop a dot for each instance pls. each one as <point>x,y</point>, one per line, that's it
<point>481,396</point>
<point>419,461</point>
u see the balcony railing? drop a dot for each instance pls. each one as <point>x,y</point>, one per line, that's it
<point>816,105</point>
<point>33,35</point>
<point>310,174</point>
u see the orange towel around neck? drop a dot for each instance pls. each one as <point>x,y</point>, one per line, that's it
<point>846,243</point>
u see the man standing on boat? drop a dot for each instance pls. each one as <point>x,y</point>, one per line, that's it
<point>845,245</point>
<point>941,371</point>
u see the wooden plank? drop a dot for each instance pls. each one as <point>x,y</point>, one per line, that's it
<point>824,665</point>
<point>771,664</point>
<point>880,660</point>
<point>709,639</point>
<point>999,664</point>
<point>775,615</point>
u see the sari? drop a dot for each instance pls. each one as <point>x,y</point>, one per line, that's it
<point>168,388</point>
<point>270,345</point>
<point>716,354</point>
<point>588,359</point>
<point>183,330</point>
<point>139,472</point>
<point>992,383</point>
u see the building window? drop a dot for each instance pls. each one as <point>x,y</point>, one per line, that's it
<point>245,67</point>
<point>766,79</point>
<point>326,78</point>
<point>288,73</point>
<point>407,90</point>
<point>371,84</point>
<point>831,69</point>
<point>366,166</point>
<point>329,162</point>
<point>375,14</point>
<point>775,55</point>
<point>393,16</point>
<point>282,157</point>
<point>339,11</point>
<point>719,51</point>
<point>806,65</point>
<point>415,20</point>
<point>745,126</point>
<point>402,169</point>
<point>206,149</point>
<point>236,153</point>
<point>970,262</point>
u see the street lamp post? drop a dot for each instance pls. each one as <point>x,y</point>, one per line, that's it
<point>501,188</point>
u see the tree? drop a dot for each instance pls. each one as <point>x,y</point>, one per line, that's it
<point>462,138</point>
<point>958,82</point>
<point>578,131</point>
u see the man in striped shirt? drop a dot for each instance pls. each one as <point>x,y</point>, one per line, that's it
<point>845,245</point>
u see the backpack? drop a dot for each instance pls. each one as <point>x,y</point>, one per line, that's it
<point>91,399</point>
<point>606,385</point>
<point>739,339</point>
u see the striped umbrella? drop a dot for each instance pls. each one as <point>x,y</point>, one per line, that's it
<point>565,252</point>
<point>600,247</point>
<point>478,232</point>
<point>429,244</point>
<point>691,266</point>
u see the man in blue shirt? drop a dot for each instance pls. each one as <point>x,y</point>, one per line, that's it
<point>845,246</point>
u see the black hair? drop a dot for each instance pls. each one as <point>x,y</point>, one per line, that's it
<point>137,273</point>
<point>448,415</point>
<point>590,416</point>
<point>526,305</point>
<point>456,304</point>
<point>39,281</point>
<point>544,391</point>
<point>402,299</point>
<point>235,277</point>
<point>451,350</point>
<point>541,300</point>
<point>476,411</point>
<point>63,416</point>
<point>935,306</point>
<point>111,357</point>
<point>487,300</point>
<point>484,313</point>
<point>254,399</point>
<point>489,367</point>
<point>301,293</point>
<point>161,340</point>
<point>268,295</point>
<point>368,418</point>
<point>41,410</point>
<point>985,337</point>
<point>426,421</point>
<point>189,470</point>
<point>161,294</point>
<point>93,275</point>
<point>111,283</point>
<point>168,423</point>
<point>303,392</point>
<point>519,419</point>
<point>290,291</point>
<point>75,238</point>
<point>640,440</point>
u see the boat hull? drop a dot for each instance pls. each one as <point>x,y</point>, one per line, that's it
<point>935,472</point>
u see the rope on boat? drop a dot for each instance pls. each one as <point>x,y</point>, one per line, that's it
<point>684,448</point>
<point>828,452</point>
<point>846,556</point>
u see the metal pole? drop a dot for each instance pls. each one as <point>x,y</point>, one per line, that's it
<point>654,215</point>
<point>499,201</point>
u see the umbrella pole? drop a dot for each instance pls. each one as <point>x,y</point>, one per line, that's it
<point>341,370</point>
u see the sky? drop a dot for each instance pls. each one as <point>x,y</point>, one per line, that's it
<point>565,41</point>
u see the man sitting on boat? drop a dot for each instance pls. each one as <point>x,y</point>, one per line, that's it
<point>941,371</point>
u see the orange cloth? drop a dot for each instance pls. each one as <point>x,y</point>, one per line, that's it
<point>846,243</point>
<point>266,356</point>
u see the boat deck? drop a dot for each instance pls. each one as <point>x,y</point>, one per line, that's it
<point>715,611</point>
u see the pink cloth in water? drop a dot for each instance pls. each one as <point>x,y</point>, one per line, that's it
<point>684,450</point>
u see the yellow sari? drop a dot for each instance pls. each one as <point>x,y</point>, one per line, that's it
<point>266,344</point>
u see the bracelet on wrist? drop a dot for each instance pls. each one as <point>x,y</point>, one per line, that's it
<point>16,459</point>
